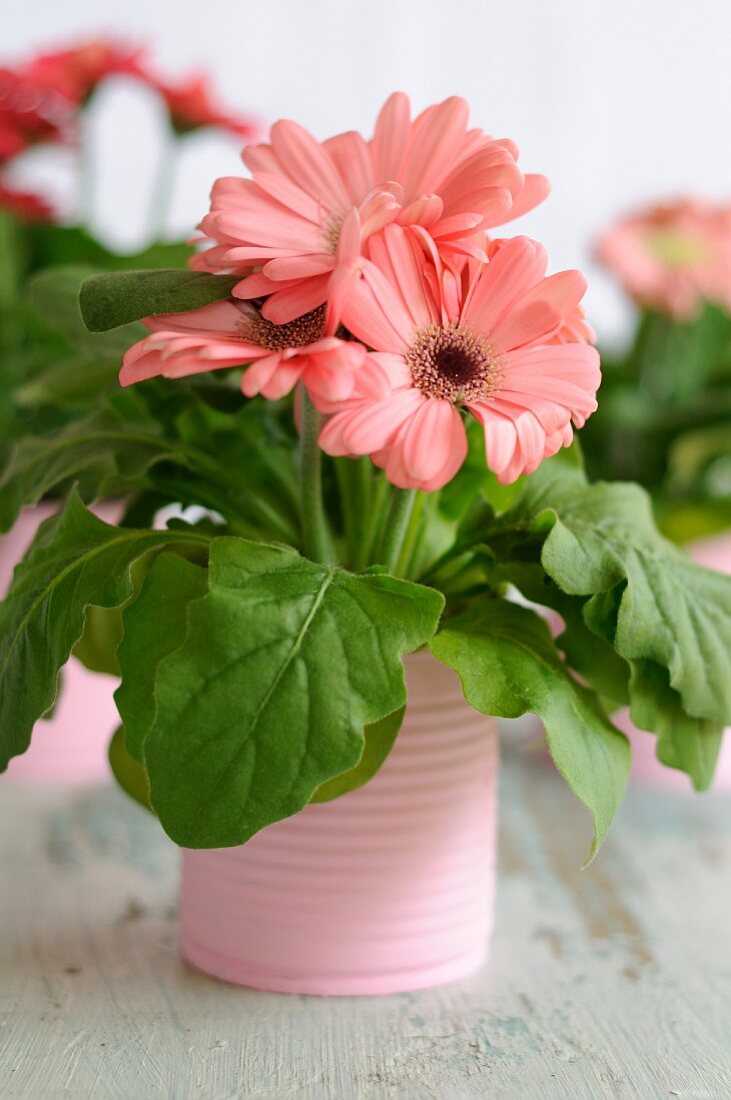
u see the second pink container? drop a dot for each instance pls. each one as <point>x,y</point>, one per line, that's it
<point>389,888</point>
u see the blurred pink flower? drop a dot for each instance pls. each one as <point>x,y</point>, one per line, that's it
<point>29,113</point>
<point>75,72</point>
<point>191,106</point>
<point>673,256</point>
<point>484,340</point>
<point>281,229</point>
<point>230,334</point>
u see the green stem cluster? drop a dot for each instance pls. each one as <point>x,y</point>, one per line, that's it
<point>314,524</point>
<point>380,524</point>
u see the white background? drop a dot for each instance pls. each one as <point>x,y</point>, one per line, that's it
<point>616,101</point>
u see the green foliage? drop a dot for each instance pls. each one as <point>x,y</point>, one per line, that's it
<point>664,419</point>
<point>130,775</point>
<point>658,610</point>
<point>154,625</point>
<point>116,298</point>
<point>238,464</point>
<point>255,681</point>
<point>508,665</point>
<point>284,664</point>
<point>75,561</point>
<point>379,740</point>
<point>53,370</point>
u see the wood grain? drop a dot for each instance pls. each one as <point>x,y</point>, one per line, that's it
<point>609,982</point>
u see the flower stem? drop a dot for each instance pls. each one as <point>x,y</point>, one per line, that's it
<point>163,188</point>
<point>402,504</point>
<point>314,525</point>
<point>411,537</point>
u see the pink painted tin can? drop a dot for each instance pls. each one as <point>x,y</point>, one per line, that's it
<point>388,888</point>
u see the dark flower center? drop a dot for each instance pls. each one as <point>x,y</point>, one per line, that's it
<point>299,333</point>
<point>453,363</point>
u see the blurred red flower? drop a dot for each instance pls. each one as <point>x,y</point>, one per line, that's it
<point>191,106</point>
<point>29,113</point>
<point>75,72</point>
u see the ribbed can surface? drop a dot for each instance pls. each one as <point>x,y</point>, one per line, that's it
<point>389,888</point>
<point>71,746</point>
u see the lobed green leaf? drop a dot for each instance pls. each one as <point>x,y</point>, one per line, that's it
<point>76,561</point>
<point>284,663</point>
<point>509,665</point>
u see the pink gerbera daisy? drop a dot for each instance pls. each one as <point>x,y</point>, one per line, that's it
<point>494,341</point>
<point>230,334</point>
<point>672,256</point>
<point>281,228</point>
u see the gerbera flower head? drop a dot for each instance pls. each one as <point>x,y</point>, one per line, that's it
<point>76,72</point>
<point>192,106</point>
<point>231,334</point>
<point>281,229</point>
<point>494,340</point>
<point>672,256</point>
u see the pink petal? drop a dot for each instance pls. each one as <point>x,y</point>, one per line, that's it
<point>308,165</point>
<point>299,267</point>
<point>217,318</point>
<point>433,444</point>
<point>259,374</point>
<point>500,437</point>
<point>512,271</point>
<point>435,140</point>
<point>535,189</point>
<point>301,297</point>
<point>369,424</point>
<point>401,261</point>
<point>424,211</point>
<point>350,154</point>
<point>566,374</point>
<point>284,379</point>
<point>375,312</point>
<point>390,137</point>
<point>258,285</point>
<point>289,195</point>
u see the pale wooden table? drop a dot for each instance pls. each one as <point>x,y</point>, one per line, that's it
<point>612,982</point>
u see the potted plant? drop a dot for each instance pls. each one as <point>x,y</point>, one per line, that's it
<point>665,416</point>
<point>371,403</point>
<point>53,370</point>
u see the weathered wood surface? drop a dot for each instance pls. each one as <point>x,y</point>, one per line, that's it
<point>609,982</point>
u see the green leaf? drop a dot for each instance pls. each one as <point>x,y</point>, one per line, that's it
<point>379,740</point>
<point>592,656</point>
<point>75,560</point>
<point>688,744</point>
<point>643,594</point>
<point>154,625</point>
<point>284,664</point>
<point>230,463</point>
<point>116,298</point>
<point>75,380</point>
<point>508,665</point>
<point>106,452</point>
<point>97,646</point>
<point>130,775</point>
